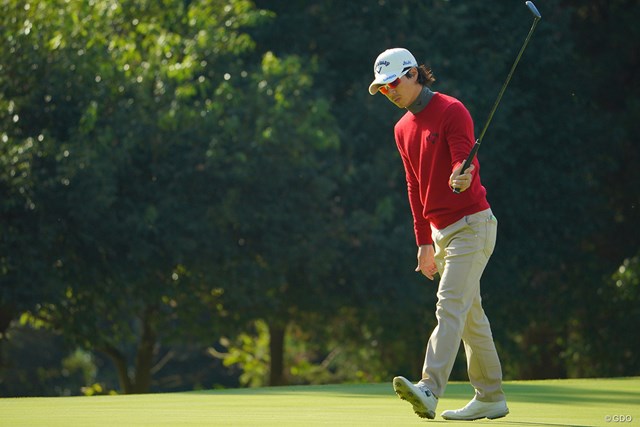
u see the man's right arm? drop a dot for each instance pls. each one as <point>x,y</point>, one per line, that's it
<point>426,261</point>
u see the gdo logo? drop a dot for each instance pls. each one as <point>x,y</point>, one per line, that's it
<point>618,418</point>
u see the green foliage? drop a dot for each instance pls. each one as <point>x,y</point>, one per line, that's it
<point>627,281</point>
<point>124,181</point>
<point>173,171</point>
<point>250,351</point>
<point>326,354</point>
<point>621,291</point>
<point>556,151</point>
<point>39,363</point>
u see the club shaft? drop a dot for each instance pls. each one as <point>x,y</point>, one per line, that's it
<point>506,82</point>
<point>476,146</point>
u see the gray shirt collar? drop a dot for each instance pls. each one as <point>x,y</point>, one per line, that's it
<point>421,101</point>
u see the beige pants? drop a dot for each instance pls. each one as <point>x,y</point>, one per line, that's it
<point>462,252</point>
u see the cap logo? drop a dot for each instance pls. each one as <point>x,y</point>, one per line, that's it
<point>407,62</point>
<point>381,64</point>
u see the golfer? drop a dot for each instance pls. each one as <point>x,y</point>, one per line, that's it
<point>434,138</point>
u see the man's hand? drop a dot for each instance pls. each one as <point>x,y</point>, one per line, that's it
<point>462,182</point>
<point>426,261</point>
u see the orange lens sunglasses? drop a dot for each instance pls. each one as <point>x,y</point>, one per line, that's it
<point>394,84</point>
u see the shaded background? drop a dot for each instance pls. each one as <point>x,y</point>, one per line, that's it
<point>201,194</point>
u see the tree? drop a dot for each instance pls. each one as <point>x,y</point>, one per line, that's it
<point>183,170</point>
<point>119,168</point>
<point>538,164</point>
<point>275,153</point>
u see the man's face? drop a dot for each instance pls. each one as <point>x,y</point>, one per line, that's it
<point>404,90</point>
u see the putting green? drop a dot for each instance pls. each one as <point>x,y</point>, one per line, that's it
<point>584,402</point>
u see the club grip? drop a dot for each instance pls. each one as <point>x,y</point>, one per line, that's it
<point>468,162</point>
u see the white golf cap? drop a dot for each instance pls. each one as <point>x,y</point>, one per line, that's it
<point>389,65</point>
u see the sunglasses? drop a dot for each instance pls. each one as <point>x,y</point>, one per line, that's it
<point>394,84</point>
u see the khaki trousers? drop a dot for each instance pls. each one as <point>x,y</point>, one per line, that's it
<point>462,252</point>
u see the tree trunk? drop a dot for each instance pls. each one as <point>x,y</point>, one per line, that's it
<point>141,381</point>
<point>6,315</point>
<point>276,351</point>
<point>144,356</point>
<point>120,363</point>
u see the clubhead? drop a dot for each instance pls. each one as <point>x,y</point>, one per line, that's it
<point>533,9</point>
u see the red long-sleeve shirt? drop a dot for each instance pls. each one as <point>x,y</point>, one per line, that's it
<point>432,143</point>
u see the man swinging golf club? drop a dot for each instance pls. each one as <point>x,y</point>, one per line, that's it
<point>434,138</point>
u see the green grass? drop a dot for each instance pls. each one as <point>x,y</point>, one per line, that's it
<point>584,402</point>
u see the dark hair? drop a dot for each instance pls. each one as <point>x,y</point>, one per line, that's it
<point>425,75</point>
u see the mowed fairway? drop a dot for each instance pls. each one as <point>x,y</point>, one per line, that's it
<point>584,402</point>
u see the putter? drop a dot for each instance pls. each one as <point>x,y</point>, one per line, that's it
<point>476,146</point>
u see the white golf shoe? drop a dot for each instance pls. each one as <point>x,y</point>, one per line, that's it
<point>476,410</point>
<point>423,401</point>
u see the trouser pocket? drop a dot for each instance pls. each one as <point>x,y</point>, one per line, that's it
<point>492,234</point>
<point>485,228</point>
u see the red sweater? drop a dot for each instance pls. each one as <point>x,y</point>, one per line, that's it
<point>432,143</point>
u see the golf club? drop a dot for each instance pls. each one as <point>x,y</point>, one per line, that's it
<point>476,146</point>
